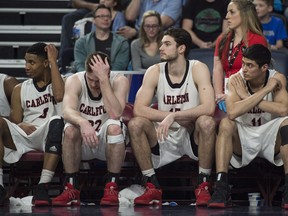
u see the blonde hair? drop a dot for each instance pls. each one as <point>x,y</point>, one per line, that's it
<point>250,22</point>
<point>142,34</point>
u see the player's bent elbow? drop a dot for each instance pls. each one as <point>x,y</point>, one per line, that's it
<point>211,111</point>
<point>58,98</point>
<point>231,116</point>
<point>284,112</point>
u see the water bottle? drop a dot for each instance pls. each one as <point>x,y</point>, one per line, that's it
<point>79,27</point>
<point>76,32</point>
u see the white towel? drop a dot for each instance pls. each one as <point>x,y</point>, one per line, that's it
<point>21,205</point>
<point>127,195</point>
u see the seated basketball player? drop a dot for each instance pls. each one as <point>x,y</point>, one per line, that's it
<point>257,122</point>
<point>35,118</point>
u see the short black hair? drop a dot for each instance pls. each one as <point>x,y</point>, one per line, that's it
<point>181,37</point>
<point>38,49</point>
<point>258,53</point>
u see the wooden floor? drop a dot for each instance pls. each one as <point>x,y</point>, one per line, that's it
<point>144,211</point>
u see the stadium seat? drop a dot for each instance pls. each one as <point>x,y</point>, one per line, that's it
<point>280,61</point>
<point>204,55</point>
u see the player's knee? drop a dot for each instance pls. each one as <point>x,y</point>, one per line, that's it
<point>115,139</point>
<point>136,125</point>
<point>114,134</point>
<point>284,135</point>
<point>114,129</point>
<point>206,124</point>
<point>226,125</point>
<point>72,133</point>
<point>54,137</point>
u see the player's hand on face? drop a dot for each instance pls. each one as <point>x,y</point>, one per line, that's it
<point>89,136</point>
<point>162,130</point>
<point>27,128</point>
<point>100,68</point>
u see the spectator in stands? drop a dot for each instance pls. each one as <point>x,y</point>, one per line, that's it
<point>93,103</point>
<point>7,84</point>
<point>257,122</point>
<point>205,21</point>
<point>184,115</point>
<point>117,21</point>
<point>273,27</point>
<point>170,12</point>
<point>102,39</point>
<point>35,118</point>
<point>145,49</point>
<point>83,7</point>
<point>244,29</point>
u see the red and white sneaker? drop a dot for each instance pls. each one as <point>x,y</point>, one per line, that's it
<point>202,194</point>
<point>151,196</point>
<point>69,197</point>
<point>110,196</point>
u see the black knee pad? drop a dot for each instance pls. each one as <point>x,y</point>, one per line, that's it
<point>54,137</point>
<point>284,135</point>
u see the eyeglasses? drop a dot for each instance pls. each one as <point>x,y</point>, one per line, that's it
<point>103,16</point>
<point>151,26</point>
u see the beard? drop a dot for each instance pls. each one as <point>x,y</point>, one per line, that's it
<point>163,60</point>
<point>168,58</point>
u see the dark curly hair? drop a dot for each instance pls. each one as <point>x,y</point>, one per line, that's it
<point>38,49</point>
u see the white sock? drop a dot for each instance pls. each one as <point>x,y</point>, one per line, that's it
<point>205,171</point>
<point>46,176</point>
<point>148,172</point>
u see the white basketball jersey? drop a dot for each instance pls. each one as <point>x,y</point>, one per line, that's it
<point>38,104</point>
<point>92,108</point>
<point>4,104</point>
<point>256,116</point>
<point>180,96</point>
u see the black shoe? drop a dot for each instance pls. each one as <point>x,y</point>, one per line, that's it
<point>3,196</point>
<point>221,197</point>
<point>41,197</point>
